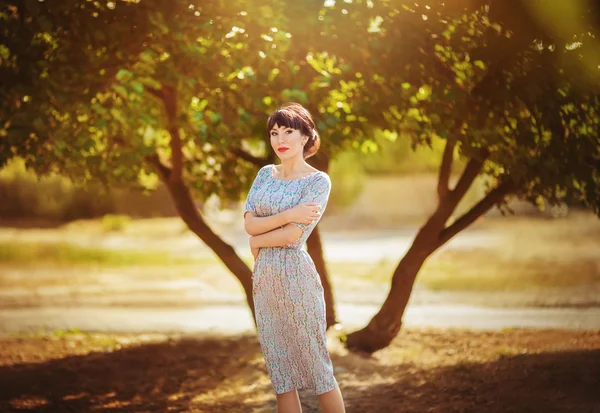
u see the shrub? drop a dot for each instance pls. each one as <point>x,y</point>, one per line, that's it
<point>115,223</point>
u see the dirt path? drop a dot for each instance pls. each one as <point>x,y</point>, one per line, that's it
<point>237,319</point>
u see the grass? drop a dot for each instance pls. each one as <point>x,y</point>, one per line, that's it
<point>527,254</point>
<point>70,334</point>
<point>473,270</point>
<point>117,223</point>
<point>478,271</point>
<point>374,272</point>
<point>482,270</point>
<point>67,254</point>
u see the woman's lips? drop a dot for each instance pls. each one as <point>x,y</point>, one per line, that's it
<point>282,149</point>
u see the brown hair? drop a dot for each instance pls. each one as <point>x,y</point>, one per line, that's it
<point>295,116</point>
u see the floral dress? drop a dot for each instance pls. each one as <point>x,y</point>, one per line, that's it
<point>288,295</point>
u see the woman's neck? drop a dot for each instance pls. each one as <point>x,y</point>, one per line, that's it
<point>292,167</point>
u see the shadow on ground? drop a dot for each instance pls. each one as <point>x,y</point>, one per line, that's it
<point>529,383</point>
<point>228,375</point>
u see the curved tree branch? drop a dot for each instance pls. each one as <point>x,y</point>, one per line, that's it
<point>251,158</point>
<point>491,199</point>
<point>170,102</point>
<point>162,169</point>
<point>168,96</point>
<point>445,168</point>
<point>157,93</point>
<point>468,176</point>
<point>185,206</point>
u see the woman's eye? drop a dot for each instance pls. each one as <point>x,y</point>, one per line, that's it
<point>288,131</point>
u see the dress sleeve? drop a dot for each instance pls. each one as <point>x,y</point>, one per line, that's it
<point>251,199</point>
<point>316,191</point>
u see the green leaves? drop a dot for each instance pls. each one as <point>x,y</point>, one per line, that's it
<point>295,95</point>
<point>418,71</point>
<point>512,96</point>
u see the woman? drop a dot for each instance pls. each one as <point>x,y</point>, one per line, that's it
<point>283,207</point>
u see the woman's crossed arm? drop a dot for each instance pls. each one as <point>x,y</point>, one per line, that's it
<point>305,212</point>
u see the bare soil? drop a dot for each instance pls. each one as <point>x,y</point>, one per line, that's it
<point>424,370</point>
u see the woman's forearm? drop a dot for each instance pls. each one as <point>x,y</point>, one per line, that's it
<point>259,225</point>
<point>277,238</point>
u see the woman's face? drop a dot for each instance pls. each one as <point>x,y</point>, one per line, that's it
<point>287,142</point>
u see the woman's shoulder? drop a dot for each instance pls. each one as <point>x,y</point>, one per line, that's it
<point>267,167</point>
<point>321,174</point>
<point>320,178</point>
<point>265,170</point>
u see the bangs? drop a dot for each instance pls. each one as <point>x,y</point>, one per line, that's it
<point>286,118</point>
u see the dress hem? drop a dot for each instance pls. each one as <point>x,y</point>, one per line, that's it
<point>310,388</point>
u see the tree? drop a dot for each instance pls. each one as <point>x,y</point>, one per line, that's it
<point>183,99</point>
<point>504,94</point>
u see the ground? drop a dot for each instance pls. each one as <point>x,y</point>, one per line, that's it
<point>154,273</point>
<point>424,370</point>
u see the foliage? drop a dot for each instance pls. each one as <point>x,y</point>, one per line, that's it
<point>204,76</point>
<point>505,94</point>
<point>108,132</point>
<point>395,154</point>
<point>197,78</point>
<point>347,179</point>
<point>53,58</point>
<point>52,197</point>
<point>115,223</point>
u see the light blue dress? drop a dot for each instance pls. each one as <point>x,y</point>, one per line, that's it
<point>288,295</point>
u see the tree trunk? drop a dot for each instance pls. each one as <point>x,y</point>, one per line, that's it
<point>184,202</point>
<point>315,249</point>
<point>186,208</point>
<point>386,324</point>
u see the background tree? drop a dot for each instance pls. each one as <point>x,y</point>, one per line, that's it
<point>173,90</point>
<point>166,101</point>
<point>180,92</point>
<point>506,96</point>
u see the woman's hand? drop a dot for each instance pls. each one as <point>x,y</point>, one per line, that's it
<point>305,213</point>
